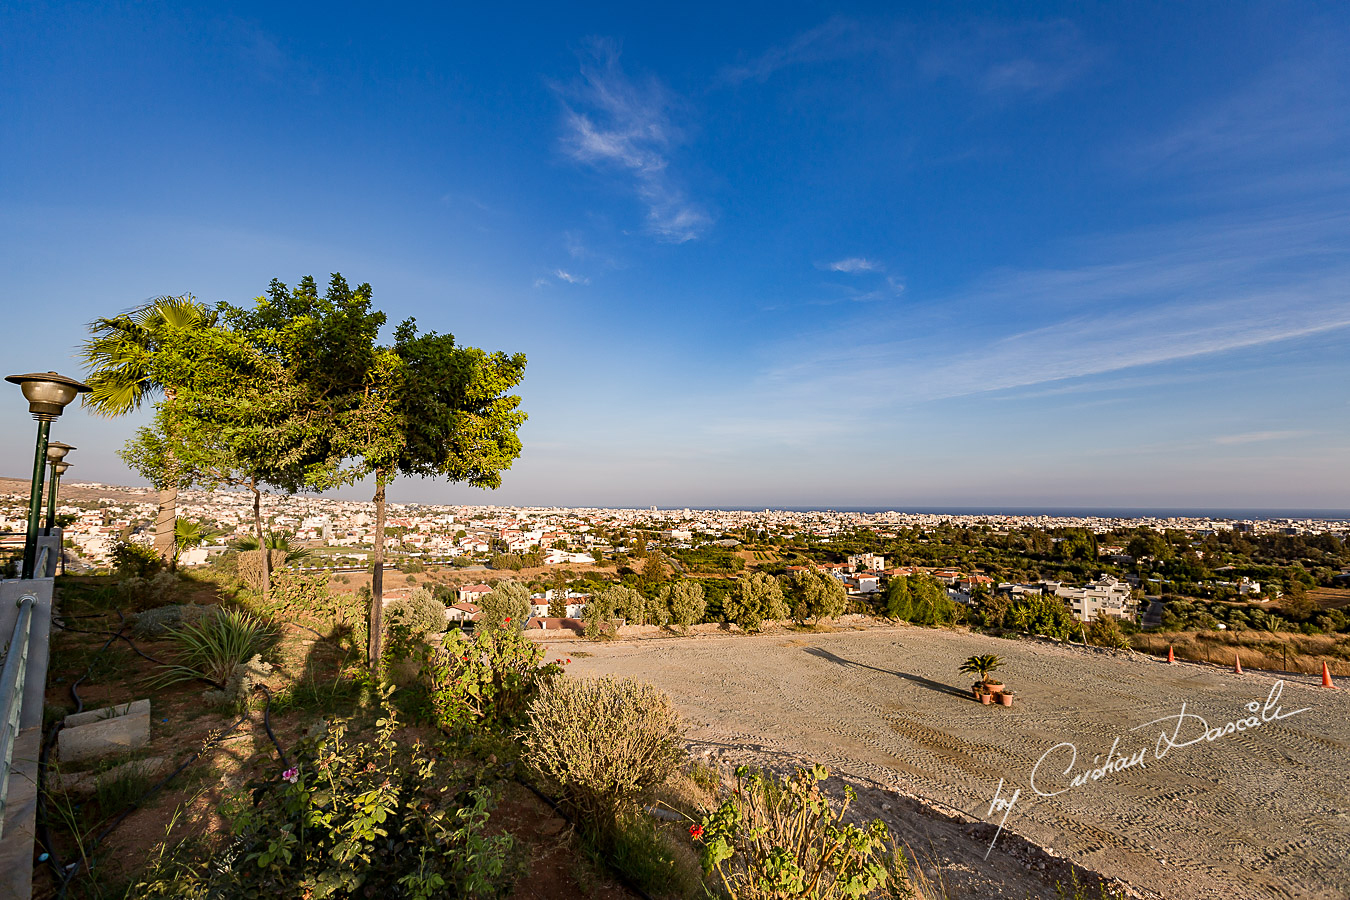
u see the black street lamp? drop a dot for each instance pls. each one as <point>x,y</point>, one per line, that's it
<point>47,394</point>
<point>56,452</point>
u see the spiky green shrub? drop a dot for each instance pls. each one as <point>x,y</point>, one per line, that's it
<point>605,743</point>
<point>212,647</point>
<point>982,665</point>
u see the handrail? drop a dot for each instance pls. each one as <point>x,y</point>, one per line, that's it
<point>40,570</point>
<point>11,694</point>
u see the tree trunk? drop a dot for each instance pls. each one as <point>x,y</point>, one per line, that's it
<point>165,523</point>
<point>263,549</point>
<point>377,574</point>
<point>167,518</point>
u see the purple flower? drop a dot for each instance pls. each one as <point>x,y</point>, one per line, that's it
<point>292,774</point>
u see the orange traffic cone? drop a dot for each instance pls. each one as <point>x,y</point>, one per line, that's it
<point>1326,677</point>
<point>1170,658</point>
<point>1237,664</point>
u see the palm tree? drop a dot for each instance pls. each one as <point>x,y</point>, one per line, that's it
<point>275,541</point>
<point>187,534</point>
<point>120,360</point>
<point>982,666</point>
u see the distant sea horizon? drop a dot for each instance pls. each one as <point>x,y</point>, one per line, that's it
<point>1101,512</point>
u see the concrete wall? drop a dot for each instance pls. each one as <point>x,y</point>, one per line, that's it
<point>16,845</point>
<point>35,684</point>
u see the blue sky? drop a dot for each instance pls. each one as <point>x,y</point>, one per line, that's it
<point>775,255</point>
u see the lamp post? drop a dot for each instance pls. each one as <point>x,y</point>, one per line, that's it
<point>47,394</point>
<point>56,452</point>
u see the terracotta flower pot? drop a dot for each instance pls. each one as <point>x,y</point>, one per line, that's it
<point>994,686</point>
<point>1005,698</point>
<point>986,698</point>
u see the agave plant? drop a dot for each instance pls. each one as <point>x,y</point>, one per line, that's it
<point>212,647</point>
<point>982,665</point>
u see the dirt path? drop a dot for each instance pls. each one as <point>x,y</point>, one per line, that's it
<point>1254,814</point>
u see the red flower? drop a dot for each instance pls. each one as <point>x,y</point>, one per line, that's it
<point>696,831</point>
<point>508,618</point>
<point>569,660</point>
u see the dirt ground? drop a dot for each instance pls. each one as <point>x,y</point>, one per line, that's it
<point>1258,813</point>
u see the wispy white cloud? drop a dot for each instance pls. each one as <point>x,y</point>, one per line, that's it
<point>1167,296</point>
<point>1297,107</point>
<point>834,39</point>
<point>612,122</point>
<point>1035,58</point>
<point>564,275</point>
<point>853,265</point>
<point>1255,437</point>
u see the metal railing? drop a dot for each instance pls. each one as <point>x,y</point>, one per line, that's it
<point>11,693</point>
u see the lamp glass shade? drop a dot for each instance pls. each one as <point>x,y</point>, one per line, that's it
<point>56,451</point>
<point>47,392</point>
<point>61,467</point>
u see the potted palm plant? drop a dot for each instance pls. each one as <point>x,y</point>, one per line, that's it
<point>982,666</point>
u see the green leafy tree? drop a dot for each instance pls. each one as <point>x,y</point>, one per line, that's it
<point>685,601</point>
<point>237,415</point>
<point>430,408</point>
<point>506,606</point>
<point>422,407</point>
<point>603,608</point>
<point>121,360</point>
<point>755,598</point>
<point>899,599</point>
<point>813,595</point>
<point>654,572</point>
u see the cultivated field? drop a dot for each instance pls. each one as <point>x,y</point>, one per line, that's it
<point>1258,813</point>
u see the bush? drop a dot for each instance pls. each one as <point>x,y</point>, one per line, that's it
<point>245,677</point>
<point>417,615</point>
<point>605,743</point>
<point>685,602</point>
<point>352,818</point>
<point>1104,631</point>
<point>138,592</point>
<point>212,647</point>
<point>755,598</point>
<point>508,603</point>
<point>135,560</point>
<point>487,681</point>
<point>814,595</point>
<point>775,839</point>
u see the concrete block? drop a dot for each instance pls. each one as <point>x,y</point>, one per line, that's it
<point>101,732</point>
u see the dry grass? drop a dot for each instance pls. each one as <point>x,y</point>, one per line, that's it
<point>1275,651</point>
